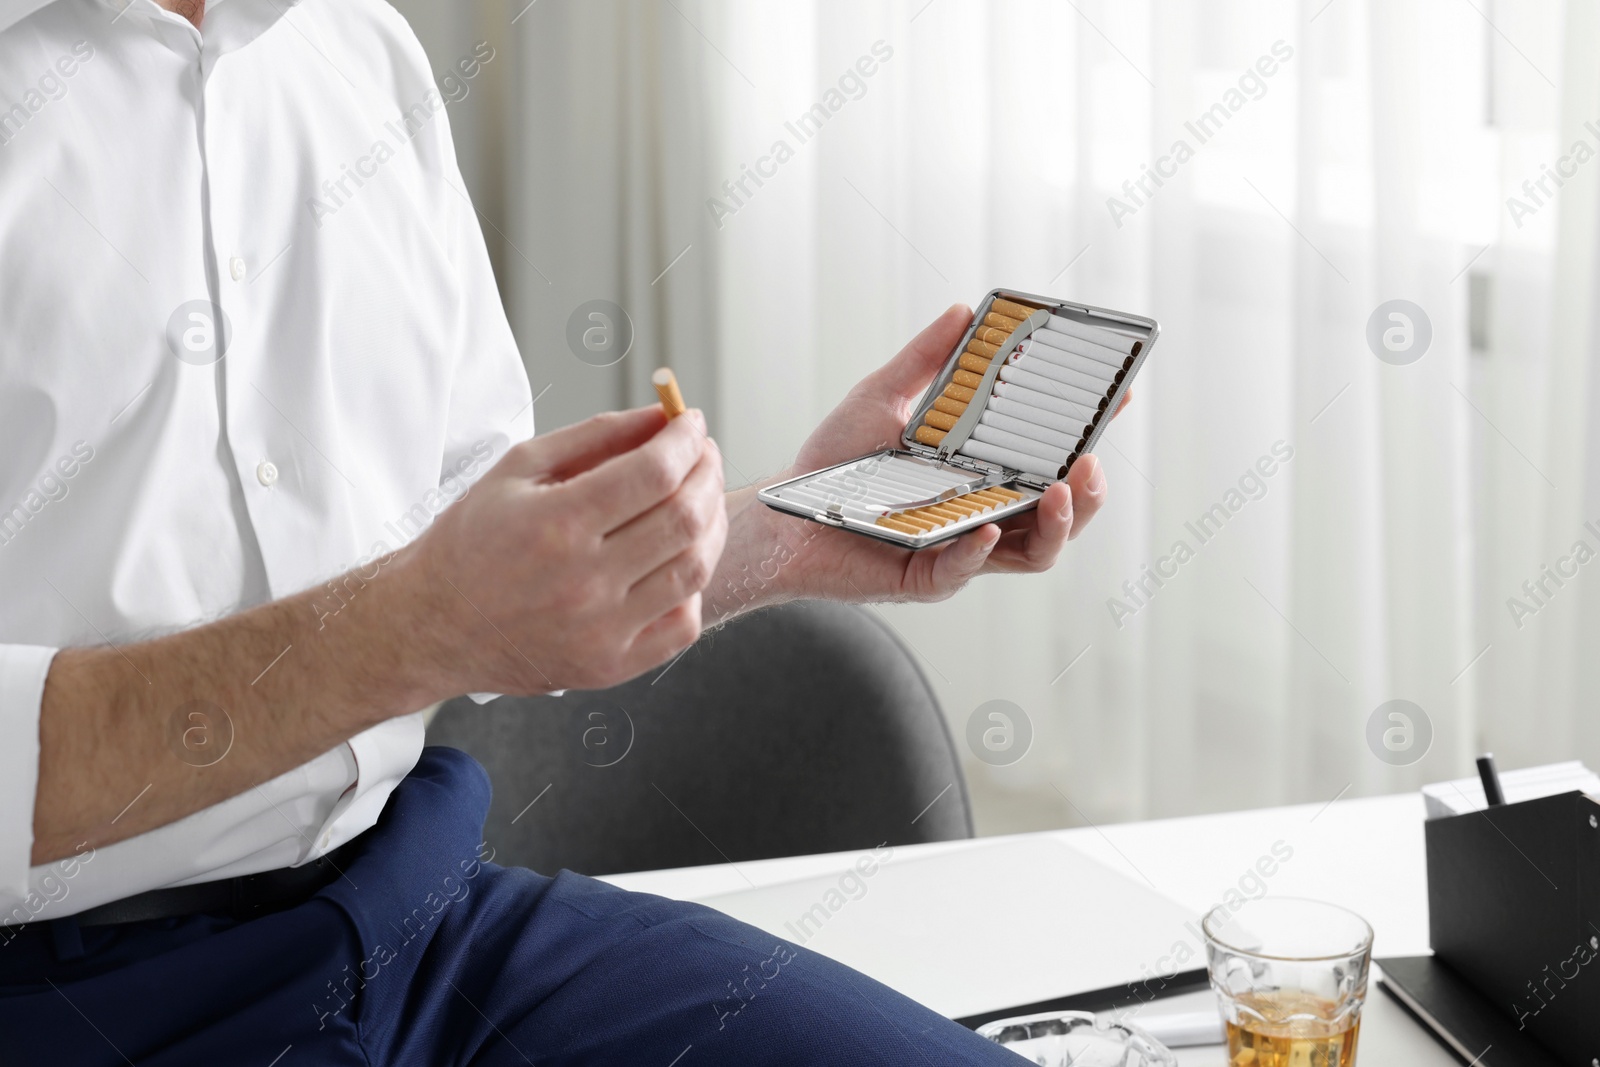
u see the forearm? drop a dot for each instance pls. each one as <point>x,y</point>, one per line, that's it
<point>137,736</point>
<point>761,562</point>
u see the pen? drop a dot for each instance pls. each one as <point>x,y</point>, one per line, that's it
<point>1491,780</point>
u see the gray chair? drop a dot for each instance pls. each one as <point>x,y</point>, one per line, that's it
<point>798,729</point>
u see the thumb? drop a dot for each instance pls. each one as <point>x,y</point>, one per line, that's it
<point>909,372</point>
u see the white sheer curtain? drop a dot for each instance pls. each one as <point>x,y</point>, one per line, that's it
<point>1340,155</point>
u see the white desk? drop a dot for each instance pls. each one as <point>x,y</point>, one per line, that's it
<point>1365,854</point>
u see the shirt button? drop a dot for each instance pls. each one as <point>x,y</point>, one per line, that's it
<point>236,268</point>
<point>267,472</point>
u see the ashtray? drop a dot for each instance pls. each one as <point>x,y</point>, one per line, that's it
<point>1078,1039</point>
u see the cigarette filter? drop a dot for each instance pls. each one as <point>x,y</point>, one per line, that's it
<point>666,384</point>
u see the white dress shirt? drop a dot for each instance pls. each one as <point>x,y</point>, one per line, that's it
<point>292,166</point>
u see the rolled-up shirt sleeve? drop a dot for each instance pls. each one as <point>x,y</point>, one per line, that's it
<point>23,669</point>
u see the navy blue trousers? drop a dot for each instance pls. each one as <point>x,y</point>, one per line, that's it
<point>427,953</point>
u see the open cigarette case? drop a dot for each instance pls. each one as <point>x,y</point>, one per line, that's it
<point>1030,388</point>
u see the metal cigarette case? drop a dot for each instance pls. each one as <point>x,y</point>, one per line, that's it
<point>857,494</point>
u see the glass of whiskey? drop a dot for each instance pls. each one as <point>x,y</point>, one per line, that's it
<point>1290,977</point>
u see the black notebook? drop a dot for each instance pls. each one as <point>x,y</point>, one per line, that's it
<point>1463,1020</point>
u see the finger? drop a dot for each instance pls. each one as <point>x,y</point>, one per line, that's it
<point>562,453</point>
<point>684,575</point>
<point>1088,484</point>
<point>906,375</point>
<point>1123,403</point>
<point>628,485</point>
<point>665,638</point>
<point>641,545</point>
<point>947,569</point>
<point>1034,540</point>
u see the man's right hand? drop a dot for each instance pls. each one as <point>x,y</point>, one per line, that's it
<point>577,561</point>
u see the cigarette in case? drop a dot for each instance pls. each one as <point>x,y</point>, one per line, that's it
<point>1062,441</point>
<point>666,384</point>
<point>1016,312</point>
<point>1047,420</point>
<point>1041,385</point>
<point>1080,347</point>
<point>1093,388</point>
<point>1044,401</point>
<point>1030,387</point>
<point>1104,373</point>
<point>1022,445</point>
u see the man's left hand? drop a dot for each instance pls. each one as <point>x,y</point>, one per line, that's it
<point>836,565</point>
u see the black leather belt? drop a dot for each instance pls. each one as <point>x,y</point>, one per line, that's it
<point>245,897</point>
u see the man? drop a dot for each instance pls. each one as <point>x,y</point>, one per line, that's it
<point>251,346</point>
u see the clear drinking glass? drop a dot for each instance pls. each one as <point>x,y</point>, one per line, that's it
<point>1291,978</point>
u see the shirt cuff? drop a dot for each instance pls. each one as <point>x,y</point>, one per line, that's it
<point>23,669</point>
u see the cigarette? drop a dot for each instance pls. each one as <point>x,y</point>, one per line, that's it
<point>1016,442</point>
<point>929,436</point>
<point>966,379</point>
<point>1033,432</point>
<point>1063,424</point>
<point>1095,387</point>
<point>928,482</point>
<point>1103,372</point>
<point>991,335</point>
<point>1050,387</point>
<point>827,501</point>
<point>948,406</point>
<point>666,384</point>
<point>896,524</point>
<point>906,522</point>
<point>1001,322</point>
<point>1099,334</point>
<point>1011,309</point>
<point>1077,345</point>
<point>1044,401</point>
<point>987,351</point>
<point>959,393</point>
<point>1014,460</point>
<point>880,487</point>
<point>942,419</point>
<point>936,516</point>
<point>974,364</point>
